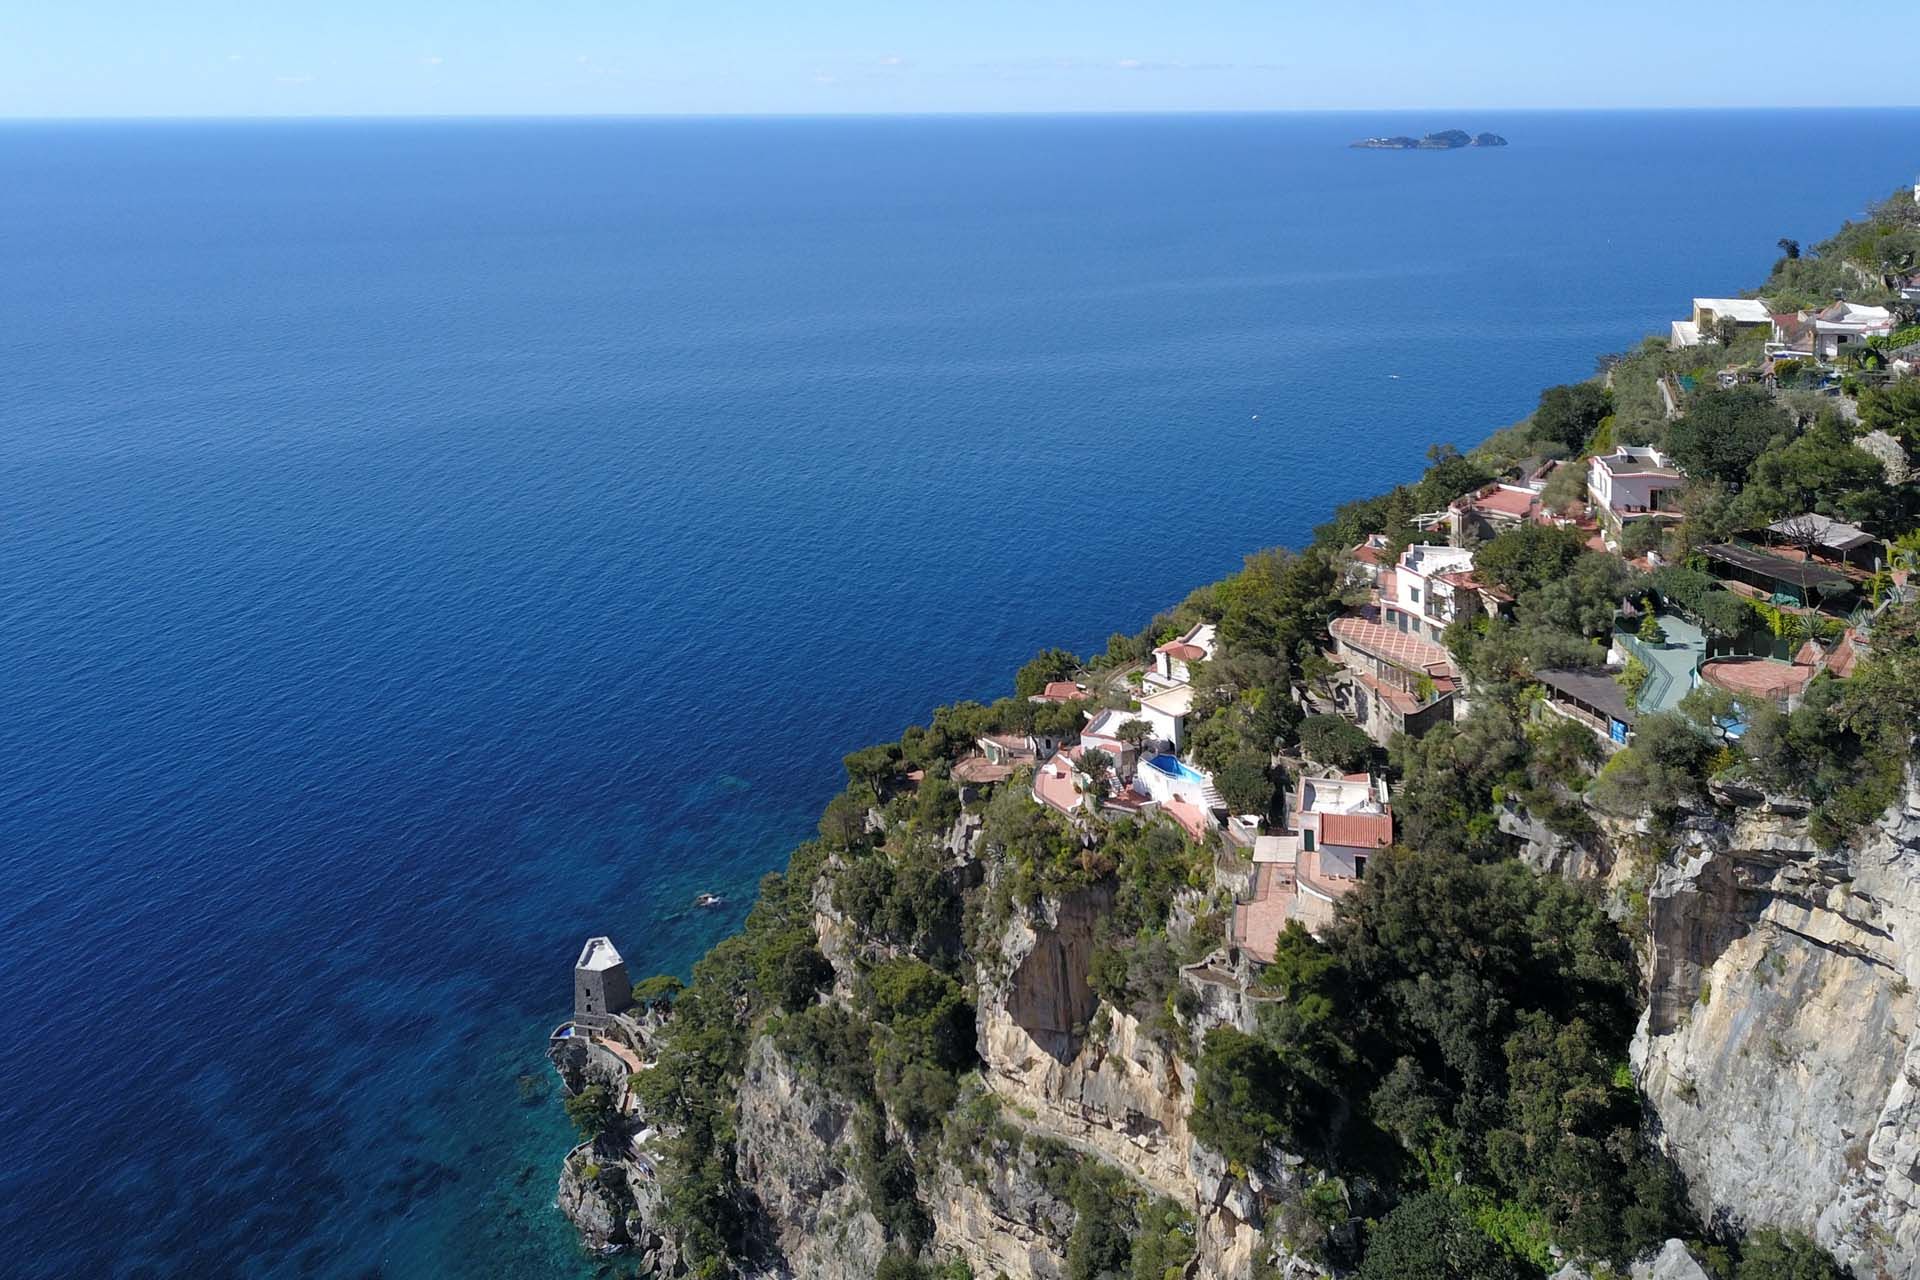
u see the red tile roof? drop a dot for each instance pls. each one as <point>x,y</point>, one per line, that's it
<point>1500,501</point>
<point>979,769</point>
<point>1357,830</point>
<point>1184,652</point>
<point>1401,649</point>
<point>1840,664</point>
<point>1188,816</point>
<point>1365,553</point>
<point>1061,691</point>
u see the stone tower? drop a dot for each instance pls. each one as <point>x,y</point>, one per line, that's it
<point>600,985</point>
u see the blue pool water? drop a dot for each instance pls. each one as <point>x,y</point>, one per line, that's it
<point>1174,767</point>
<point>428,544</point>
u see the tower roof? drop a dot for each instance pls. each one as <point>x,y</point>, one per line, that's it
<point>598,954</point>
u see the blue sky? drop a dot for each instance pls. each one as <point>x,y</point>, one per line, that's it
<point>438,57</point>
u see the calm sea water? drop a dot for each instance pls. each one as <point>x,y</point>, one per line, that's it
<point>426,544</point>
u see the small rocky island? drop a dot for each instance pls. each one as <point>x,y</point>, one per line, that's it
<point>1446,140</point>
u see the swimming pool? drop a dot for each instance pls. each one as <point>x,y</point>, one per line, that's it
<point>1174,767</point>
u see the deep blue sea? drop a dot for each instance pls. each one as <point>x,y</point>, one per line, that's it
<point>427,544</point>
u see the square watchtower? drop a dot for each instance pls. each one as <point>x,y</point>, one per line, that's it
<point>600,985</point>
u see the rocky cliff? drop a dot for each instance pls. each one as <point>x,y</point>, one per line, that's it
<point>1776,1053</point>
<point>1777,1048</point>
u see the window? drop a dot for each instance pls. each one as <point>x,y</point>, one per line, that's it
<point>1413,594</point>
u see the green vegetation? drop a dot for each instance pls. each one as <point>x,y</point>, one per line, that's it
<point>594,1110</point>
<point>1448,1057</point>
<point>1336,741</point>
<point>1430,1237</point>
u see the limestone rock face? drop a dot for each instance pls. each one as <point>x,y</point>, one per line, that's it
<point>1116,1093</point>
<point>795,1154</point>
<point>1778,1048</point>
<point>998,1216</point>
<point>1673,1262</point>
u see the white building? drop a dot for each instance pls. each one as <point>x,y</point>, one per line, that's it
<point>1170,659</point>
<point>1746,313</point>
<point>1417,600</point>
<point>1847,325</point>
<point>1632,482</point>
<point>1167,712</point>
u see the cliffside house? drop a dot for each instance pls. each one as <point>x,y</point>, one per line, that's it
<point>1014,750</point>
<point>1167,712</point>
<point>1634,482</point>
<point>1592,698</point>
<point>1389,681</point>
<point>1103,732</point>
<point>1059,691</point>
<point>1337,823</point>
<point>1834,541</point>
<point>1365,561</point>
<point>1703,325</point>
<point>1419,598</point>
<point>1065,785</point>
<point>1845,326</point>
<point>1485,513</point>
<point>1170,659</point>
<point>1779,579</point>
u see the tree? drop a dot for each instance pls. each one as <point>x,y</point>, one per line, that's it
<point>1789,249</point>
<point>1723,432</point>
<point>1429,1237</point>
<point>1042,670</point>
<point>874,766</point>
<point>1770,1254</point>
<point>1134,732</point>
<point>1581,600</point>
<point>658,991</point>
<point>1528,557</point>
<point>1450,474</point>
<point>1894,409</point>
<point>1245,784</point>
<point>1095,763</point>
<point>1333,740</point>
<point>1822,471</point>
<point>594,1111</point>
<point>1650,629</point>
<point>1569,415</point>
<point>1244,1098</point>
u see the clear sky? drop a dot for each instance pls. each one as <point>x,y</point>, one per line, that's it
<point>459,57</point>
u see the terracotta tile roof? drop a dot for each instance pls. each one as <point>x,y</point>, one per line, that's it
<point>1840,663</point>
<point>1496,500</point>
<point>978,769</point>
<point>1184,652</point>
<point>1401,649</point>
<point>1061,691</point>
<point>1188,816</point>
<point>1399,699</point>
<point>1357,830</point>
<point>1365,553</point>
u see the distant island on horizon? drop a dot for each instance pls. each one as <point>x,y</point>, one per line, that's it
<point>1446,140</point>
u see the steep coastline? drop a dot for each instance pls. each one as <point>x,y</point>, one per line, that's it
<point>1005,1017</point>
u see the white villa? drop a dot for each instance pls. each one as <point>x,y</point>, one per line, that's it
<point>1170,659</point>
<point>1167,712</point>
<point>1632,482</point>
<point>1747,313</point>
<point>1418,600</point>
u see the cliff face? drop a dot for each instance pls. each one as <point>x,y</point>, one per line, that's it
<point>1777,1052</point>
<point>795,1155</point>
<point>1778,1048</point>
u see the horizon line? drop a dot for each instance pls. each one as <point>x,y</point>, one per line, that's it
<point>485,116</point>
